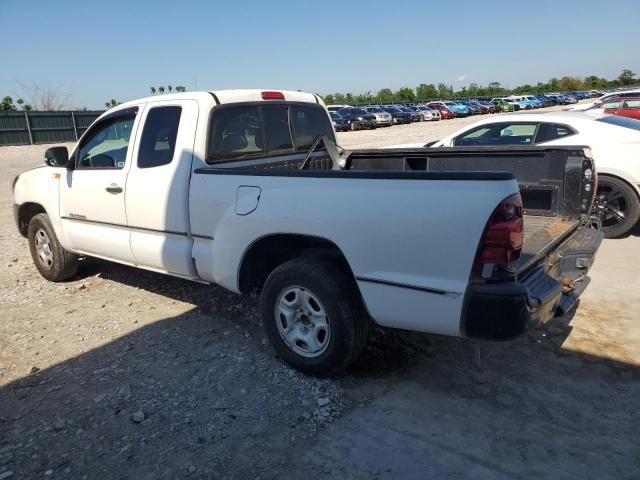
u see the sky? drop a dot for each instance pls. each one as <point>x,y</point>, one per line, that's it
<point>95,51</point>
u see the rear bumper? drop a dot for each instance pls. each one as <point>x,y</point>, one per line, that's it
<point>506,310</point>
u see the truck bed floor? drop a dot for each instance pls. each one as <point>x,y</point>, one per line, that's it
<point>541,234</point>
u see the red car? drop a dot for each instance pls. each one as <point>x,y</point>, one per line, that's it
<point>623,106</point>
<point>445,113</point>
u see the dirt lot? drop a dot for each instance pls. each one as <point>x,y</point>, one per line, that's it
<point>123,373</point>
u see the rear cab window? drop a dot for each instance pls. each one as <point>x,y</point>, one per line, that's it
<point>158,141</point>
<point>239,132</point>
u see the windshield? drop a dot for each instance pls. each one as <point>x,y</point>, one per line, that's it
<point>375,110</point>
<point>621,122</point>
<point>393,110</point>
<point>358,111</point>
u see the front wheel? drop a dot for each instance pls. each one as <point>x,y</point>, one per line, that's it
<point>617,206</point>
<point>313,316</point>
<point>51,259</point>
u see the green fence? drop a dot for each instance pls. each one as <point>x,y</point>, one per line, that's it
<point>28,128</point>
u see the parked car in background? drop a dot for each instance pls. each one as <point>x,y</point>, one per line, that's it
<point>335,108</point>
<point>358,118</point>
<point>622,106</point>
<point>473,108</point>
<point>459,109</point>
<point>524,103</point>
<point>504,106</point>
<point>535,101</point>
<point>428,114</point>
<point>628,93</point>
<point>415,116</point>
<point>383,119</point>
<point>546,101</point>
<point>340,124</point>
<point>399,117</point>
<point>445,112</point>
<point>481,109</point>
<point>425,116</point>
<point>516,105</point>
<point>613,140</point>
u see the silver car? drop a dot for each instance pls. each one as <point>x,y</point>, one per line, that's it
<point>428,114</point>
<point>383,119</point>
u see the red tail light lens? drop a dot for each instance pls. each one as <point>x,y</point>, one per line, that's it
<point>501,244</point>
<point>272,96</point>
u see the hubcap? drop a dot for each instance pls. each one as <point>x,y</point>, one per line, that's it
<point>610,205</point>
<point>43,248</point>
<point>302,321</point>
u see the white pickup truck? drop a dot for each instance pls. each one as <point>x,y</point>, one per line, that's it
<point>246,189</point>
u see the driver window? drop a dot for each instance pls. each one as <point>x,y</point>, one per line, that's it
<point>106,146</point>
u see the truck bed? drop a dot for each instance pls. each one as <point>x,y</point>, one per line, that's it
<point>542,234</point>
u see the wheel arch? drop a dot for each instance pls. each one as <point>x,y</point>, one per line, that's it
<point>634,186</point>
<point>268,252</point>
<point>25,213</point>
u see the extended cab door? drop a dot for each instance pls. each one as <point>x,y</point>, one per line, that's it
<point>157,200</point>
<point>92,205</point>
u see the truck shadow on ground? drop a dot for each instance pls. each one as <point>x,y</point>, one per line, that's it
<point>195,395</point>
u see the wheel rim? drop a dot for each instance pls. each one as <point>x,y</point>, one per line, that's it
<point>611,205</point>
<point>302,321</point>
<point>43,248</point>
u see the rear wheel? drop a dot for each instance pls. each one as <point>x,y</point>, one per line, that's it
<point>616,205</point>
<point>313,316</point>
<point>51,259</point>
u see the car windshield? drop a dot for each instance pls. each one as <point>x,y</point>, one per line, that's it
<point>621,122</point>
<point>358,111</point>
<point>393,110</point>
<point>375,110</point>
<point>335,116</point>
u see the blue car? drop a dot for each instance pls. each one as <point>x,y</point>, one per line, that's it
<point>458,108</point>
<point>535,102</point>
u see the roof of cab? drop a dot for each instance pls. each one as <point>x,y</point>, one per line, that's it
<point>229,96</point>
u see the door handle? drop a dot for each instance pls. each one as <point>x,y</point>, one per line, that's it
<point>113,188</point>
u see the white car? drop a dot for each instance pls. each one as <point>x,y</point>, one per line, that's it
<point>586,106</point>
<point>614,141</point>
<point>246,189</point>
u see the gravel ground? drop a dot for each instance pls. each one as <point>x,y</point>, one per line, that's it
<point>122,373</point>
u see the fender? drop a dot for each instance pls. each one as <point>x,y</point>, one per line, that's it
<point>41,186</point>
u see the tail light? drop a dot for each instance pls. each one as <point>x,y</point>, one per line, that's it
<point>501,245</point>
<point>272,96</point>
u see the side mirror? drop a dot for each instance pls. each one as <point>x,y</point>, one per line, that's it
<point>56,156</point>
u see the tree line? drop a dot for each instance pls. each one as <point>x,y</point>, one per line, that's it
<point>426,91</point>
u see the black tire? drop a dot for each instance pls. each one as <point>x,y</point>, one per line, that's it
<point>353,127</point>
<point>60,264</point>
<point>338,296</point>
<point>613,198</point>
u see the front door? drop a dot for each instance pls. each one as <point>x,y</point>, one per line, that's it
<point>92,196</point>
